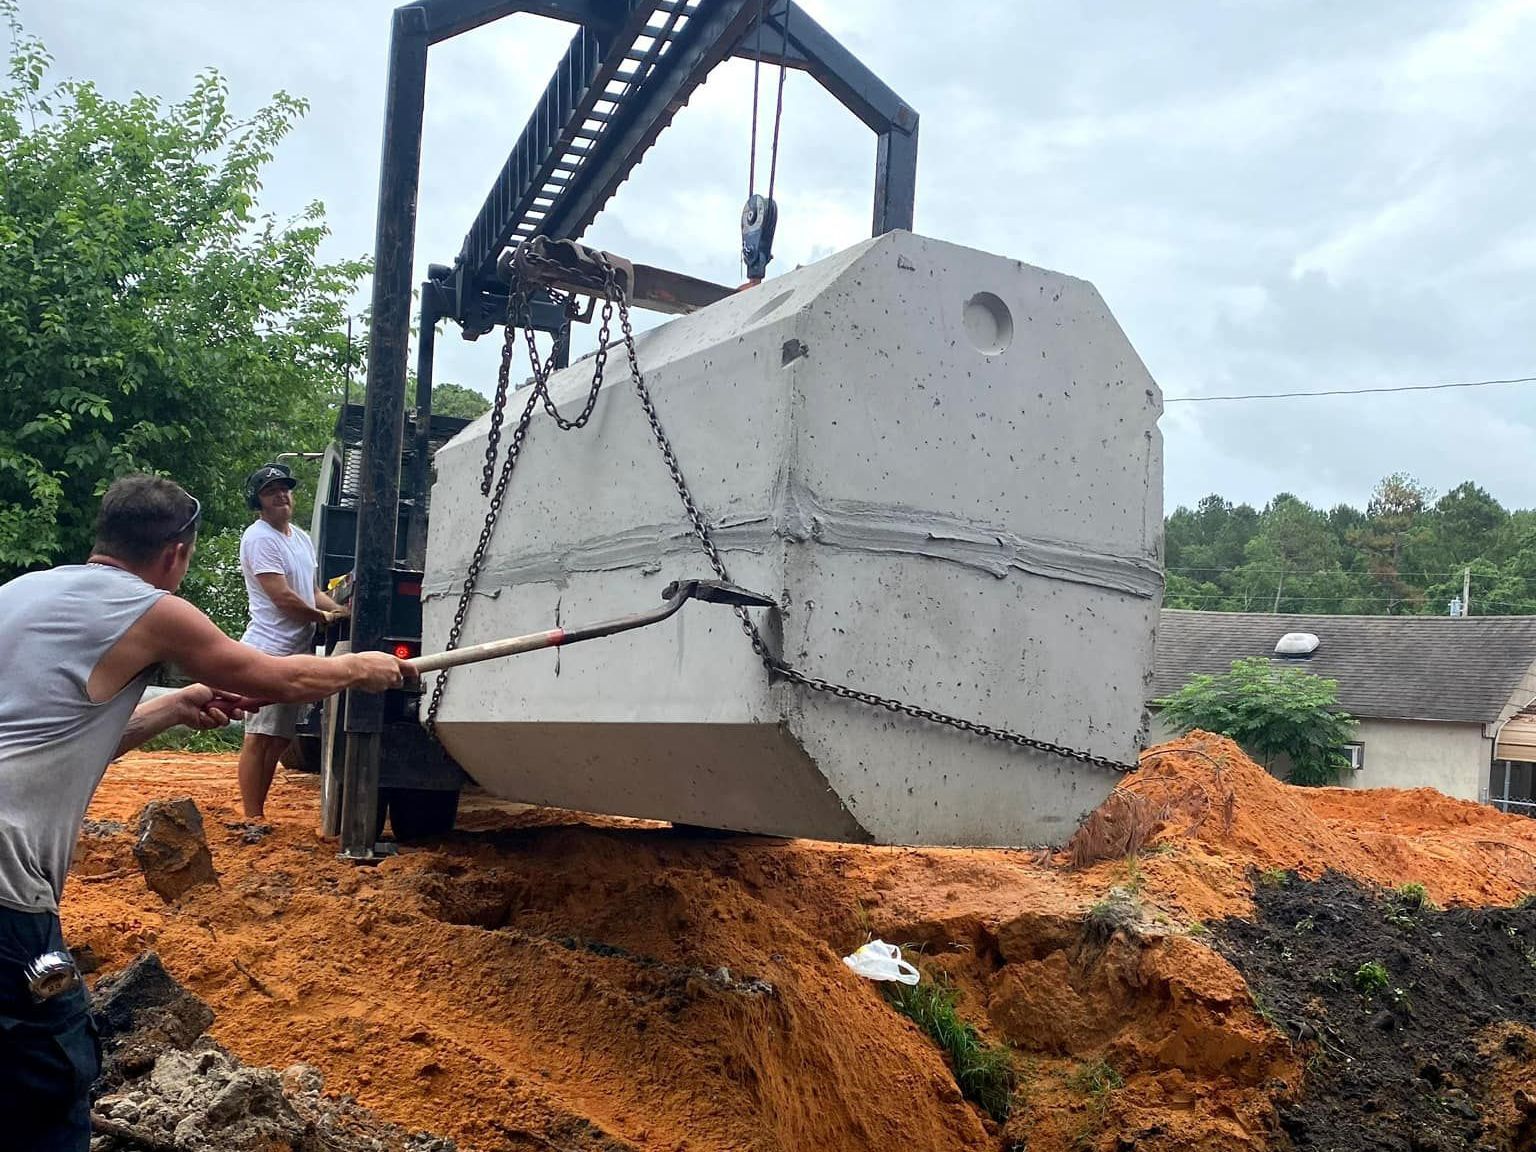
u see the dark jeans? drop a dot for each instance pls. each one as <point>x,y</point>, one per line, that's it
<point>49,1054</point>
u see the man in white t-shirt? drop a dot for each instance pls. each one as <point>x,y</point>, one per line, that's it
<point>278,562</point>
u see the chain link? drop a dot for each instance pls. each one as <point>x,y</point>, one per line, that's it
<point>539,391</point>
<point>613,291</point>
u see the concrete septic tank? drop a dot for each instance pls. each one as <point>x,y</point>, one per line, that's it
<point>946,467</point>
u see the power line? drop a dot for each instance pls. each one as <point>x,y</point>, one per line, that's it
<point>1349,391</point>
<point>1217,597</point>
<point>1290,572</point>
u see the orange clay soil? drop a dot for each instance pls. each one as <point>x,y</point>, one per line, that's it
<point>550,980</point>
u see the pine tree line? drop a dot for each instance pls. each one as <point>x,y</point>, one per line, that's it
<point>1406,553</point>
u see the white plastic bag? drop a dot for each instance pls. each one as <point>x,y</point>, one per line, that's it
<point>878,960</point>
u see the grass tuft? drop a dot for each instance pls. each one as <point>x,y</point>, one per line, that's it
<point>1413,898</point>
<point>984,1072</point>
<point>1097,1080</point>
<point>1120,911</point>
<point>1372,977</point>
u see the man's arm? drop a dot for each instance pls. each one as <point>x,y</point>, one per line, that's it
<point>325,603</point>
<point>195,706</point>
<point>173,631</point>
<point>289,602</point>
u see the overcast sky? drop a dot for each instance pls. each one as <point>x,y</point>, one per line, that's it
<point>1272,195</point>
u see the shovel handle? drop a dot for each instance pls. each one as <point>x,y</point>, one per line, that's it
<point>490,650</point>
<point>534,641</point>
<point>675,595</point>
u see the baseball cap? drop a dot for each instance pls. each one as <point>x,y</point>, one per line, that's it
<point>267,474</point>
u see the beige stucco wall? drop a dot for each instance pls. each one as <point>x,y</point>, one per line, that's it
<point>1423,754</point>
<point>1412,754</point>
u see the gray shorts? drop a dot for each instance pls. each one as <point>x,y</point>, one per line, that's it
<point>276,720</point>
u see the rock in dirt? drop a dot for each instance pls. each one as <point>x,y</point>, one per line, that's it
<point>167,1084</point>
<point>142,1012</point>
<point>172,849</point>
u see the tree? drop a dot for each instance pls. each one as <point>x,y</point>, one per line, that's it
<point>215,583</point>
<point>1272,711</point>
<point>1392,526</point>
<point>151,319</point>
<point>456,400</point>
<point>1293,546</point>
<point>1209,540</point>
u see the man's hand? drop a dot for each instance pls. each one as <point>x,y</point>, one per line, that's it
<point>195,706</point>
<point>377,671</point>
<point>201,707</point>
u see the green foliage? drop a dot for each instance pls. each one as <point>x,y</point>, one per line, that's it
<point>1413,897</point>
<point>1372,977</point>
<point>1405,553</point>
<point>191,740</point>
<point>984,1072</point>
<point>1095,1080</point>
<point>214,582</point>
<point>456,400</point>
<point>1271,710</point>
<point>1274,878</point>
<point>151,317</point>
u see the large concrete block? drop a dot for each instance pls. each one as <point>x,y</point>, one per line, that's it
<point>945,464</point>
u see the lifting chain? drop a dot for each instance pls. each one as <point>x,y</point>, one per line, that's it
<point>613,292</point>
<point>517,309</point>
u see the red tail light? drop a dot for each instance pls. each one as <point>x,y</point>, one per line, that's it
<point>408,588</point>
<point>405,651</point>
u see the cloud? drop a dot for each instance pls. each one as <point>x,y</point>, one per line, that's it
<point>1272,194</point>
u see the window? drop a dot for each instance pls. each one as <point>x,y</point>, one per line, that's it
<point>1356,754</point>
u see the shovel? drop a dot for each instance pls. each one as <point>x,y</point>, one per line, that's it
<point>674,596</point>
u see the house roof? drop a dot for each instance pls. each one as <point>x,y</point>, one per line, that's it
<point>1387,667</point>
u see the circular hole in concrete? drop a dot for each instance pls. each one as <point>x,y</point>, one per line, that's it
<point>771,306</point>
<point>988,323</point>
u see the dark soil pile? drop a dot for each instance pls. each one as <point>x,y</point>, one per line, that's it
<point>1419,1025</point>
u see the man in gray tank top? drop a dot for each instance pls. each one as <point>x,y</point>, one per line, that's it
<point>88,637</point>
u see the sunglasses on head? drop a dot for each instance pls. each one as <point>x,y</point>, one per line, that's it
<point>197,514</point>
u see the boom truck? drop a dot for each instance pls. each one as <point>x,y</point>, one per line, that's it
<point>924,480</point>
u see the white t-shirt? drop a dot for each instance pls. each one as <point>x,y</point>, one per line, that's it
<point>264,549</point>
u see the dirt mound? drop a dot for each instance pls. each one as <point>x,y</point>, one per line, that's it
<point>1203,795</point>
<point>166,1085</point>
<point>1417,1021</point>
<point>545,979</point>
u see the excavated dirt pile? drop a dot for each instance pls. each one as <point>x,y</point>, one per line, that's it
<point>546,980</point>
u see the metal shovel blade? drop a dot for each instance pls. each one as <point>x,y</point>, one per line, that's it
<point>717,592</point>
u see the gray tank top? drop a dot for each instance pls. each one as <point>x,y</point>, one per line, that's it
<point>55,744</point>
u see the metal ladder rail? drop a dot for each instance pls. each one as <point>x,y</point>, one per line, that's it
<point>584,97</point>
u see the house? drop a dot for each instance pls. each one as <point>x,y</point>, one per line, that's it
<point>1442,702</point>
